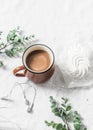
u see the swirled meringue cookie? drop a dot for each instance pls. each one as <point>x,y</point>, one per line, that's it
<point>78,60</point>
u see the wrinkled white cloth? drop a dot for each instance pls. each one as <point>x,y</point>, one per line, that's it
<point>65,26</point>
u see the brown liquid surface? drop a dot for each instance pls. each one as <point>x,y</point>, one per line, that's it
<point>38,60</point>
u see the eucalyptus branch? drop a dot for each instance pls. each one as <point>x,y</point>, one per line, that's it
<point>67,125</point>
<point>16,42</point>
<point>64,111</point>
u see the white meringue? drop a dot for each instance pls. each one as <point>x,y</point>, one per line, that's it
<point>78,60</point>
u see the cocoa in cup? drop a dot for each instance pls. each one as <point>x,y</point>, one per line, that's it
<point>38,63</point>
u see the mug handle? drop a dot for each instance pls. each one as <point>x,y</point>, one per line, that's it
<point>19,68</point>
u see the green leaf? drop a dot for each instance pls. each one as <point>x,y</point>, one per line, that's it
<point>47,123</point>
<point>64,99</point>
<point>77,117</point>
<point>1,64</point>
<point>51,98</point>
<point>54,125</point>
<point>54,104</point>
<point>13,51</point>
<point>15,37</point>
<point>11,36</point>
<point>1,32</point>
<point>9,53</point>
<point>85,128</point>
<point>69,117</point>
<point>26,38</point>
<point>33,35</point>
<point>77,122</point>
<point>55,110</point>
<point>68,108</point>
<point>17,40</point>
<point>59,126</point>
<point>77,126</point>
<point>63,105</point>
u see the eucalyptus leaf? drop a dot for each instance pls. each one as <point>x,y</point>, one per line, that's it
<point>68,108</point>
<point>1,63</point>
<point>77,126</point>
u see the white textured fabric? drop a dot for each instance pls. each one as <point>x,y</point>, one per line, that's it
<point>67,27</point>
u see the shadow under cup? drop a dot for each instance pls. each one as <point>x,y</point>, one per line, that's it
<point>37,76</point>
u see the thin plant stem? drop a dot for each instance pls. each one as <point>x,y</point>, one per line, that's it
<point>3,47</point>
<point>6,45</point>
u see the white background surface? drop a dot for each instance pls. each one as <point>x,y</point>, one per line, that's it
<point>56,23</point>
